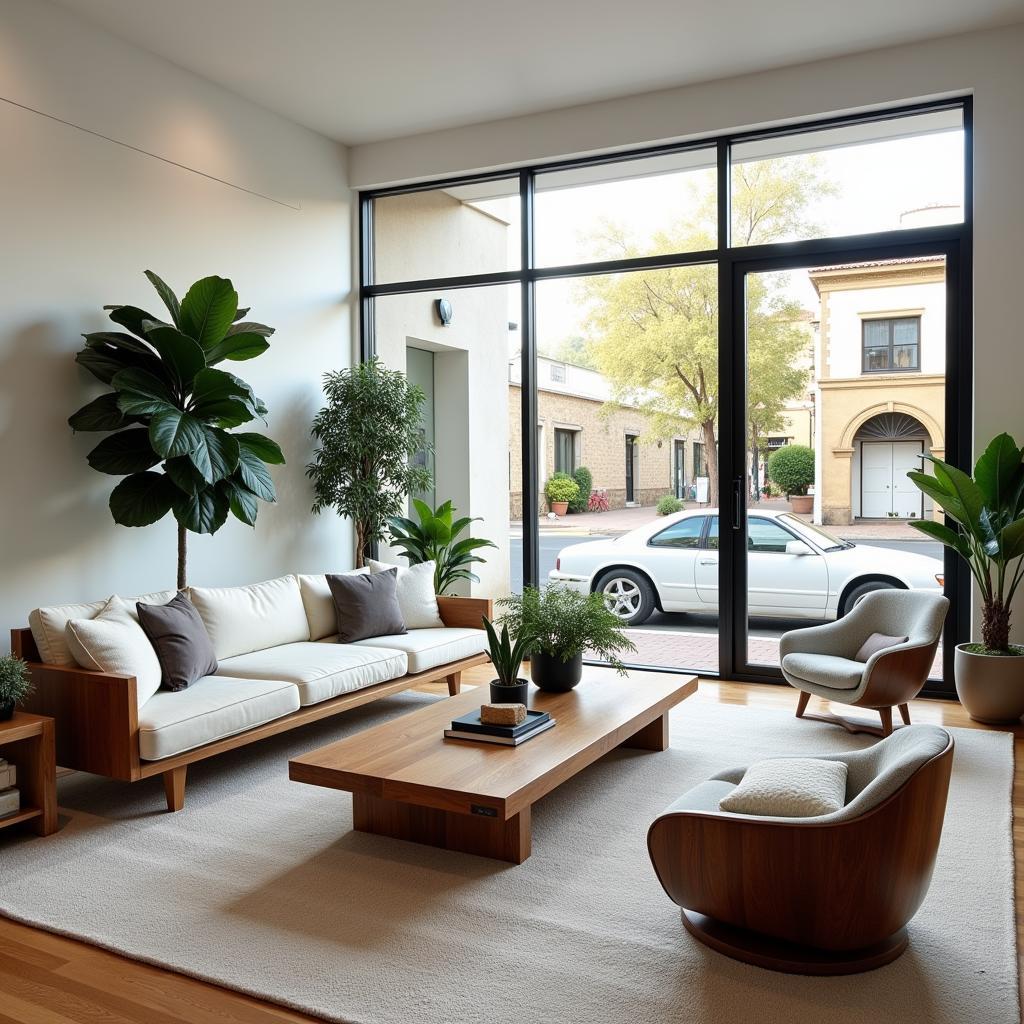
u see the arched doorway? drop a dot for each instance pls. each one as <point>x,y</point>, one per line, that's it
<point>886,447</point>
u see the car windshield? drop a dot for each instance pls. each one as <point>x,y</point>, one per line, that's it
<point>821,537</point>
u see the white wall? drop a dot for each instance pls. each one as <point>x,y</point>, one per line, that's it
<point>987,64</point>
<point>80,218</point>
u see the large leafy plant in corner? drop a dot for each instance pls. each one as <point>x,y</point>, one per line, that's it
<point>988,511</point>
<point>436,538</point>
<point>171,412</point>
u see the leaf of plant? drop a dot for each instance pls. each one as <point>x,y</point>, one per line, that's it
<point>1011,541</point>
<point>174,432</point>
<point>117,339</point>
<point>179,352</point>
<point>217,457</point>
<point>254,474</point>
<point>142,382</point>
<point>170,300</point>
<point>100,414</point>
<point>944,535</point>
<point>221,397</point>
<point>202,512</point>
<point>250,327</point>
<point>998,471</point>
<point>264,447</point>
<point>128,451</point>
<point>105,362</point>
<point>142,498</point>
<point>243,503</point>
<point>947,500</point>
<point>130,317</point>
<point>185,476</point>
<point>237,347</point>
<point>242,312</point>
<point>208,310</point>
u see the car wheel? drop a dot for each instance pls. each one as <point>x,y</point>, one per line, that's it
<point>628,595</point>
<point>860,591</point>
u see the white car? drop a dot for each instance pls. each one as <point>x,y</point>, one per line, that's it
<point>794,570</point>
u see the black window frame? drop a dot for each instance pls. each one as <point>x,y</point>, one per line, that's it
<point>953,241</point>
<point>890,322</point>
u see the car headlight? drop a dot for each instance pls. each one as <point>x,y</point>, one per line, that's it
<point>940,579</point>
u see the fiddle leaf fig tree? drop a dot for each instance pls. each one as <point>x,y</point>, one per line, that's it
<point>171,412</point>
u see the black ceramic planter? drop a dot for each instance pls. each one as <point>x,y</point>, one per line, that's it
<point>7,710</point>
<point>550,673</point>
<point>509,694</point>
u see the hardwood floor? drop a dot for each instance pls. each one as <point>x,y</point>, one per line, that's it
<point>47,979</point>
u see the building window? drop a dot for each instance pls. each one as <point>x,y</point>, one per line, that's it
<point>565,451</point>
<point>892,345</point>
<point>558,373</point>
<point>700,463</point>
<point>777,442</point>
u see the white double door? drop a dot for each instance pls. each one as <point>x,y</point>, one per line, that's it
<point>885,489</point>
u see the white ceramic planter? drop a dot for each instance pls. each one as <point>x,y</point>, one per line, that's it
<point>990,687</point>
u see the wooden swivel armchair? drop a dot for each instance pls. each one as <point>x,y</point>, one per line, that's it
<point>820,660</point>
<point>822,895</point>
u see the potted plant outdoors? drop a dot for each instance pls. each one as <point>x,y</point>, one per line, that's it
<point>791,469</point>
<point>563,624</point>
<point>507,655</point>
<point>15,685</point>
<point>560,490</point>
<point>988,510</point>
<point>435,538</point>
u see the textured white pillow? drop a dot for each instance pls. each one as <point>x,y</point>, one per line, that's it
<point>416,597</point>
<point>319,602</point>
<point>113,641</point>
<point>789,787</point>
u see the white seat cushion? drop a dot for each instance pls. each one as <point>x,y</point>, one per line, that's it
<point>825,670</point>
<point>252,618</point>
<point>210,709</point>
<point>428,648</point>
<point>320,670</point>
<point>319,602</point>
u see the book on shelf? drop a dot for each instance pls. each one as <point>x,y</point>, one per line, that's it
<point>472,723</point>
<point>8,775</point>
<point>10,802</point>
<point>503,740</point>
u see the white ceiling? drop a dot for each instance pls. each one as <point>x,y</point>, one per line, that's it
<point>365,70</point>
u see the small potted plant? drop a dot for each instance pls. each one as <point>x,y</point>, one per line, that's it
<point>988,510</point>
<point>15,685</point>
<point>791,469</point>
<point>560,490</point>
<point>563,624</point>
<point>506,655</point>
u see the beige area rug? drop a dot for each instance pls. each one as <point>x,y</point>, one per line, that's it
<point>260,885</point>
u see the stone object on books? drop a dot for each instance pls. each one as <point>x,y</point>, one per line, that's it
<point>502,714</point>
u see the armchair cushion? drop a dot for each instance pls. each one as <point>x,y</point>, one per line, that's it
<point>789,787</point>
<point>878,642</point>
<point>825,670</point>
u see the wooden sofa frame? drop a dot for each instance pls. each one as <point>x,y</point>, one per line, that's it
<point>97,719</point>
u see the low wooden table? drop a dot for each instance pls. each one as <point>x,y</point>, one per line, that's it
<point>409,782</point>
<point>28,742</point>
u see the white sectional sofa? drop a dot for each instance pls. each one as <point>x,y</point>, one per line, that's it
<point>279,666</point>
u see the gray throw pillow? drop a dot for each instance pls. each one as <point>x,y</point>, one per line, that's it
<point>875,643</point>
<point>182,645</point>
<point>366,606</point>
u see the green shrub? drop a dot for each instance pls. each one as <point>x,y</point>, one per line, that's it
<point>791,468</point>
<point>585,480</point>
<point>667,504</point>
<point>561,487</point>
<point>15,682</point>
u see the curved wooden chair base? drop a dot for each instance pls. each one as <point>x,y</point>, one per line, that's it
<point>786,957</point>
<point>851,725</point>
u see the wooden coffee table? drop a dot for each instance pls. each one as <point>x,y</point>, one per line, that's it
<point>409,782</point>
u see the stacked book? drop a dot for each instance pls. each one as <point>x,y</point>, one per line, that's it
<point>10,798</point>
<point>469,727</point>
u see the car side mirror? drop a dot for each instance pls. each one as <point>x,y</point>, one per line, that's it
<point>798,547</point>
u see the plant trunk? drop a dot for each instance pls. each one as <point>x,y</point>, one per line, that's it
<point>711,457</point>
<point>995,626</point>
<point>182,556</point>
<point>360,545</point>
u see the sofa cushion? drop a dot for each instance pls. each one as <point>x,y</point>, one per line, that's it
<point>252,618</point>
<point>415,593</point>
<point>114,642</point>
<point>319,602</point>
<point>180,640</point>
<point>825,670</point>
<point>428,648</point>
<point>210,709</point>
<point>367,605</point>
<point>48,624</point>
<point>320,670</point>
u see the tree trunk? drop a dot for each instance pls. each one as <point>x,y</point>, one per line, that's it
<point>711,457</point>
<point>995,626</point>
<point>182,556</point>
<point>360,545</point>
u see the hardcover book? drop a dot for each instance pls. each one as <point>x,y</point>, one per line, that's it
<point>506,741</point>
<point>472,723</point>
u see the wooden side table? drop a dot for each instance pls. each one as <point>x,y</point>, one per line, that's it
<point>28,742</point>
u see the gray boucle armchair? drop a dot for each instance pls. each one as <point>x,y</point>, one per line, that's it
<point>820,660</point>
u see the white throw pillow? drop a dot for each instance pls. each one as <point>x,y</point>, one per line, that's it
<point>789,787</point>
<point>319,602</point>
<point>416,597</point>
<point>113,641</point>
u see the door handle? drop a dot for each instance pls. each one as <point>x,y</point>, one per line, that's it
<point>709,561</point>
<point>737,503</point>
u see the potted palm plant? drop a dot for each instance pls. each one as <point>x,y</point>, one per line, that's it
<point>15,685</point>
<point>988,513</point>
<point>506,655</point>
<point>562,624</point>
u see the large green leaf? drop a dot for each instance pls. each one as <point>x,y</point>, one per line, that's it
<point>101,413</point>
<point>181,354</point>
<point>217,457</point>
<point>254,474</point>
<point>142,499</point>
<point>943,534</point>
<point>243,503</point>
<point>1011,541</point>
<point>201,512</point>
<point>130,317</point>
<point>128,451</point>
<point>250,327</point>
<point>170,300</point>
<point>998,472</point>
<point>185,476</point>
<point>141,393</point>
<point>267,450</point>
<point>946,499</point>
<point>105,361</point>
<point>208,309</point>
<point>223,398</point>
<point>117,339</point>
<point>238,347</point>
<point>173,432</point>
